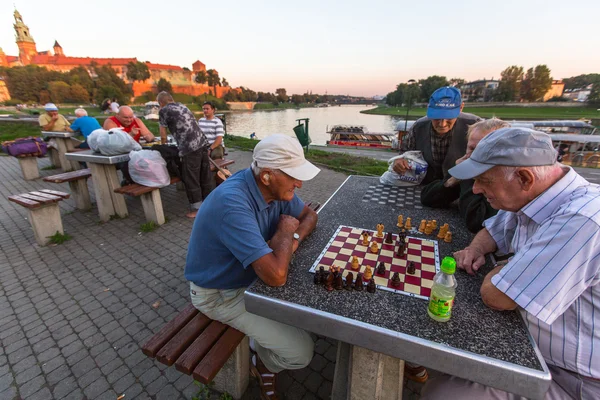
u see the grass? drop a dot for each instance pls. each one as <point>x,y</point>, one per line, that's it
<point>337,161</point>
<point>148,227</point>
<point>59,238</point>
<point>502,112</point>
<point>12,130</point>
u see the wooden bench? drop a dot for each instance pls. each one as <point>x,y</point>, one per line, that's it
<point>150,196</point>
<point>203,348</point>
<point>220,163</point>
<point>78,183</point>
<point>44,214</point>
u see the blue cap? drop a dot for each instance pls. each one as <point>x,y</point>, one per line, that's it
<point>444,103</point>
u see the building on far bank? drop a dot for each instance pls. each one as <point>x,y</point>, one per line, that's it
<point>579,94</point>
<point>181,79</point>
<point>481,90</point>
<point>556,90</point>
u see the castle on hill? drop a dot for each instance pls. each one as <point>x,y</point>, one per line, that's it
<point>181,79</point>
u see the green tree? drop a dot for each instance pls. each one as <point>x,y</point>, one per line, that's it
<point>164,85</point>
<point>297,99</point>
<point>431,84</point>
<point>137,71</point>
<point>579,81</point>
<point>201,77</point>
<point>594,97</point>
<point>509,88</point>
<point>59,91</point>
<point>536,83</point>
<point>231,96</point>
<point>457,81</point>
<point>224,82</point>
<point>81,76</point>
<point>109,85</point>
<point>78,94</point>
<point>282,96</point>
<point>213,79</point>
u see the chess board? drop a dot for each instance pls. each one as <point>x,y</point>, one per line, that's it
<point>404,197</point>
<point>347,242</point>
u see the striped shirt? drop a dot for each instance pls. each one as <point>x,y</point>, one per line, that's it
<point>212,128</point>
<point>554,275</point>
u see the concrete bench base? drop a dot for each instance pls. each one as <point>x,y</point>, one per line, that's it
<point>234,376</point>
<point>153,209</point>
<point>29,168</point>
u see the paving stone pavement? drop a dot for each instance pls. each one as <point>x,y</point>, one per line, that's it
<point>73,316</point>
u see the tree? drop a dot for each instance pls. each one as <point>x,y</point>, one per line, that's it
<point>109,85</point>
<point>536,83</point>
<point>201,77</point>
<point>594,97</point>
<point>81,76</point>
<point>59,91</point>
<point>431,84</point>
<point>164,85</point>
<point>137,71</point>
<point>297,99</point>
<point>282,96</point>
<point>213,79</point>
<point>224,82</point>
<point>457,82</point>
<point>579,81</point>
<point>509,88</point>
<point>78,94</point>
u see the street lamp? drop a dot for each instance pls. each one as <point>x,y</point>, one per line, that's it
<point>408,102</point>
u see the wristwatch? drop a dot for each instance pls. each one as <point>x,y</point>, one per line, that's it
<point>297,237</point>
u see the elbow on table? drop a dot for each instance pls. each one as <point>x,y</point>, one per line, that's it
<point>495,299</point>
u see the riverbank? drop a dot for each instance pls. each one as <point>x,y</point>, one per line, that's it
<point>507,112</point>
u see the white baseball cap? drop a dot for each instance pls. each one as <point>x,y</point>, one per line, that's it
<point>284,153</point>
<point>50,107</point>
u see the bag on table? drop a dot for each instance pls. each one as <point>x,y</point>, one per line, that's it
<point>413,176</point>
<point>148,168</point>
<point>113,142</point>
<point>32,146</point>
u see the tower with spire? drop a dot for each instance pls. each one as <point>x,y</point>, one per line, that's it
<point>58,51</point>
<point>25,42</point>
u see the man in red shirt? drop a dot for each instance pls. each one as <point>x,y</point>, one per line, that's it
<point>127,121</point>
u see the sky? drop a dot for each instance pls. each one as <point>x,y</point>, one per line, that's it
<point>360,48</point>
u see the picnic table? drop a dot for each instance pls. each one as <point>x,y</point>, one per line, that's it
<point>376,331</point>
<point>106,180</point>
<point>64,144</point>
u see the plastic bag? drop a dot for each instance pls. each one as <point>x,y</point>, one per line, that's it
<point>148,168</point>
<point>413,176</point>
<point>112,142</point>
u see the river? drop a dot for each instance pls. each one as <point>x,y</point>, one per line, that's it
<point>265,123</point>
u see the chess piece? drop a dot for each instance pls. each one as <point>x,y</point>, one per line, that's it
<point>355,263</point>
<point>401,249</point>
<point>323,275</point>
<point>396,279</point>
<point>429,228</point>
<point>379,230</point>
<point>442,232</point>
<point>402,236</point>
<point>389,238</point>
<point>411,268</point>
<point>374,247</point>
<point>371,287</point>
<point>329,281</point>
<point>448,237</point>
<point>422,226</point>
<point>400,223</point>
<point>349,279</point>
<point>368,273</point>
<point>317,277</point>
<point>381,269</point>
<point>338,283</point>
<point>365,239</point>
<point>434,223</point>
<point>408,224</point>
<point>358,283</point>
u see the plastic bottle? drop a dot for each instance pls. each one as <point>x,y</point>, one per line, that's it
<point>443,291</point>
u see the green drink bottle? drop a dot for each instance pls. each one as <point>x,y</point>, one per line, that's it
<point>443,291</point>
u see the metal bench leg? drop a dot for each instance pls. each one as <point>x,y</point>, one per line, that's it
<point>153,209</point>
<point>45,222</point>
<point>233,377</point>
<point>29,168</point>
<point>375,376</point>
<point>81,194</point>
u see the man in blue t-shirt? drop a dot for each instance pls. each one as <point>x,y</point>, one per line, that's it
<point>84,125</point>
<point>248,228</point>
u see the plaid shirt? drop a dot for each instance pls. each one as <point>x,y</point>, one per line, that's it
<point>439,143</point>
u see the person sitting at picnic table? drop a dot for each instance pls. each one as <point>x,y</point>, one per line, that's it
<point>549,219</point>
<point>249,227</point>
<point>127,121</point>
<point>84,125</point>
<point>52,121</point>
<point>193,149</point>
<point>441,193</point>
<point>212,127</point>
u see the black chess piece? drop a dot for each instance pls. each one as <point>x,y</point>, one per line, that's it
<point>349,279</point>
<point>317,277</point>
<point>411,268</point>
<point>371,287</point>
<point>396,279</point>
<point>338,284</point>
<point>389,238</point>
<point>381,269</point>
<point>401,249</point>
<point>358,283</point>
<point>323,275</point>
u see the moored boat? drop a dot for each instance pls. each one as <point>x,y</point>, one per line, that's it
<point>358,136</point>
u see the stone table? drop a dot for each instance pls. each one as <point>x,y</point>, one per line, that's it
<point>377,331</point>
<point>64,144</point>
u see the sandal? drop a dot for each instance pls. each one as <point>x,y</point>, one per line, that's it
<point>266,379</point>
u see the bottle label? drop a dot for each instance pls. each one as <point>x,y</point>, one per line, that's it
<point>441,306</point>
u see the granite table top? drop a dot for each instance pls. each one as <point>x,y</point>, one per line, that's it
<point>95,157</point>
<point>484,345</point>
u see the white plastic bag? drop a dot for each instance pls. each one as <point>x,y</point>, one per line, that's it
<point>413,176</point>
<point>114,142</point>
<point>148,168</point>
<point>92,139</point>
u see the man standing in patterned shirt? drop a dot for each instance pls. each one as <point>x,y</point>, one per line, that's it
<point>193,149</point>
<point>549,219</point>
<point>441,136</point>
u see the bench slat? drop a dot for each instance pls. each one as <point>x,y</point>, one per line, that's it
<point>56,193</point>
<point>222,163</point>
<point>157,341</point>
<point>40,199</point>
<point>218,356</point>
<point>201,346</point>
<point>136,190</point>
<point>180,342</point>
<point>50,196</point>
<point>69,176</point>
<point>22,201</point>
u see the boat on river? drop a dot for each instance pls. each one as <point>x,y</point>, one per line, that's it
<point>358,136</point>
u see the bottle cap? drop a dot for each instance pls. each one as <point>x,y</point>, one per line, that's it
<point>448,265</point>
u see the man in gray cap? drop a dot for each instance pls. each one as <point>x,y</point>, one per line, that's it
<point>248,228</point>
<point>549,219</point>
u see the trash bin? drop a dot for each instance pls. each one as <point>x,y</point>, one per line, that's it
<point>302,135</point>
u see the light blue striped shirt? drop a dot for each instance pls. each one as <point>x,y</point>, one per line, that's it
<point>554,275</point>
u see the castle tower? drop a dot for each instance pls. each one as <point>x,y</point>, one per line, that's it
<point>3,60</point>
<point>25,42</point>
<point>198,66</point>
<point>58,51</point>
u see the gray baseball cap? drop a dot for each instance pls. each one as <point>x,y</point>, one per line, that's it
<point>514,147</point>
